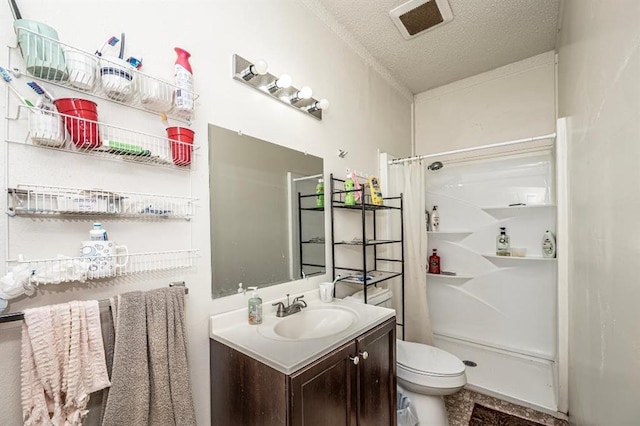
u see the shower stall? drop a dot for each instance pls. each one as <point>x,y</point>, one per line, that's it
<point>499,314</point>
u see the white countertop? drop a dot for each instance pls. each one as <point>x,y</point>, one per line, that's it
<point>288,356</point>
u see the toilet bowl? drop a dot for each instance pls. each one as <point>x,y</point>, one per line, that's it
<point>425,373</point>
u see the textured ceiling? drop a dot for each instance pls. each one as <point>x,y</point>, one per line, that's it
<point>484,34</point>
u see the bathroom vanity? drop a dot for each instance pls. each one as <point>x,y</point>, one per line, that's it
<point>330,364</point>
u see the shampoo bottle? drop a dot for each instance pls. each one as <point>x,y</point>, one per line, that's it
<point>434,219</point>
<point>349,197</point>
<point>255,307</point>
<point>97,233</point>
<point>548,244</point>
<point>320,193</point>
<point>434,262</point>
<point>184,102</point>
<point>503,245</point>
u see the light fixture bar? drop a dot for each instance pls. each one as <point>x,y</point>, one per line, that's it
<point>288,95</point>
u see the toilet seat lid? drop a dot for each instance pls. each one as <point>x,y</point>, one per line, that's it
<point>429,360</point>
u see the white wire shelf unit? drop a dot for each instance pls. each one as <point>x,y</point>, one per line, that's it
<point>64,132</point>
<point>79,269</point>
<point>57,201</point>
<point>111,78</point>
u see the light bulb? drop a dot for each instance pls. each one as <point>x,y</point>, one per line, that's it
<point>322,104</point>
<point>259,68</point>
<point>282,83</point>
<point>304,93</point>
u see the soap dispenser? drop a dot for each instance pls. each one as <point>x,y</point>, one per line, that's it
<point>255,307</point>
<point>503,245</point>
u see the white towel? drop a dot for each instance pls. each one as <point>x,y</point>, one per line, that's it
<point>62,362</point>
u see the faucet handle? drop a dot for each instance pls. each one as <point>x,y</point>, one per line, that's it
<point>281,309</point>
<point>299,299</point>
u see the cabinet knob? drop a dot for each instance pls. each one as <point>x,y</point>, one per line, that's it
<point>355,359</point>
<point>364,355</point>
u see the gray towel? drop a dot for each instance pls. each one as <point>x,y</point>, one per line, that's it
<point>150,373</point>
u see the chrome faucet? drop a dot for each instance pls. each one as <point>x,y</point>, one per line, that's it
<point>296,306</point>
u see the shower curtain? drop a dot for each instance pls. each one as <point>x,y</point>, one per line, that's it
<point>409,179</point>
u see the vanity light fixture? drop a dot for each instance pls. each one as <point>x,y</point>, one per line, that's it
<point>280,88</point>
<point>282,83</point>
<point>253,70</point>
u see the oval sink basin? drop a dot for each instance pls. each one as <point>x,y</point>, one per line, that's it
<point>312,323</point>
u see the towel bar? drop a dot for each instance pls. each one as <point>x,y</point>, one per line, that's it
<point>19,316</point>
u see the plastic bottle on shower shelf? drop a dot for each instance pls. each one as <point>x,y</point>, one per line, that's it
<point>434,262</point>
<point>503,244</point>
<point>184,101</point>
<point>349,197</point>
<point>434,219</point>
<point>97,233</point>
<point>320,193</point>
<point>548,245</point>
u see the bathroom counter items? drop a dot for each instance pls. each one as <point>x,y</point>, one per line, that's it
<point>289,355</point>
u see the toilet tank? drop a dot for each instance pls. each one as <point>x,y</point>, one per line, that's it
<point>375,296</point>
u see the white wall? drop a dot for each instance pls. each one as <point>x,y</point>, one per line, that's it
<point>599,92</point>
<point>366,114</point>
<point>511,102</point>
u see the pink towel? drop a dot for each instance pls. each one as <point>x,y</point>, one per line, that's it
<point>62,362</point>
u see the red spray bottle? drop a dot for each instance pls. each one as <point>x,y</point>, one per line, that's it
<point>184,101</point>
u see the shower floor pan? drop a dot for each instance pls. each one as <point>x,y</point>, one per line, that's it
<point>513,377</point>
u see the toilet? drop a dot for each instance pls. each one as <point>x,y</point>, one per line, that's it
<point>425,373</point>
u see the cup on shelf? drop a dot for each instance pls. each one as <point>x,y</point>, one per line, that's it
<point>46,128</point>
<point>82,68</point>
<point>155,95</point>
<point>326,291</point>
<point>104,258</point>
<point>181,145</point>
<point>42,53</point>
<point>80,118</point>
<point>117,78</point>
<point>518,251</point>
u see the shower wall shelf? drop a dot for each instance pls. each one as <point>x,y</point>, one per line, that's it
<point>67,133</point>
<point>503,212</point>
<point>53,62</point>
<point>78,269</point>
<point>55,201</point>
<point>452,277</point>
<point>498,260</point>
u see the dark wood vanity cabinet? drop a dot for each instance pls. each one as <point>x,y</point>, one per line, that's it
<point>332,391</point>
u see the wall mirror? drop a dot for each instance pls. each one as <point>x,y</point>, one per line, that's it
<point>266,223</point>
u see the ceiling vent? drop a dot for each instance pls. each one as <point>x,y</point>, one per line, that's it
<point>418,16</point>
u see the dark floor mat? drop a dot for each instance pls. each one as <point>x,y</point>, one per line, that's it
<point>484,416</point>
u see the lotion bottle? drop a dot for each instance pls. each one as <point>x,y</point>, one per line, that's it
<point>255,307</point>
<point>350,196</point>
<point>97,233</point>
<point>548,244</point>
<point>434,219</point>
